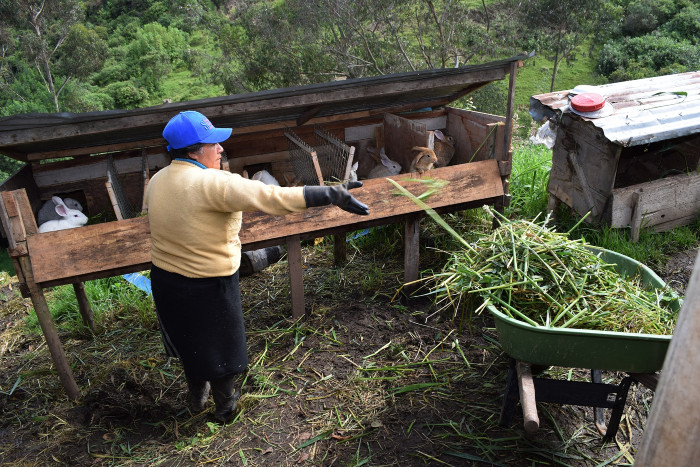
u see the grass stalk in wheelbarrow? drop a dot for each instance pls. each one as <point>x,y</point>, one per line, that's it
<point>542,277</point>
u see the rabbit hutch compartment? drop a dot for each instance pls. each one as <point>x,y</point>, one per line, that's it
<point>634,164</point>
<point>99,157</point>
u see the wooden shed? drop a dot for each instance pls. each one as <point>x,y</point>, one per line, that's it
<point>70,154</point>
<point>638,166</point>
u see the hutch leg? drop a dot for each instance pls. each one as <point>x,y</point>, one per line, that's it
<point>84,305</point>
<point>55,349</point>
<point>340,249</point>
<point>411,250</point>
<point>296,278</point>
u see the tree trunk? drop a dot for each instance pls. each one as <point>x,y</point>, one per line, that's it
<point>554,71</point>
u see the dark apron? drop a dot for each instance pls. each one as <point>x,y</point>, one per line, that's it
<point>201,323</point>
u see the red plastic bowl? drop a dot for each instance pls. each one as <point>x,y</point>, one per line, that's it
<point>587,102</point>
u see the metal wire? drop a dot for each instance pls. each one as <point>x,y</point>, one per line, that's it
<point>125,208</point>
<point>328,161</point>
<point>304,160</point>
<point>334,156</point>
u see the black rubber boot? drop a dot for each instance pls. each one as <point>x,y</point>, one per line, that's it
<point>225,397</point>
<point>198,395</point>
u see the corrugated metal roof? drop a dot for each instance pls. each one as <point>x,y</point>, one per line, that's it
<point>645,110</point>
<point>24,134</point>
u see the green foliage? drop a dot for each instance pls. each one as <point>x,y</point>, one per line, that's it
<point>154,51</point>
<point>127,94</point>
<point>8,166</point>
<point>111,298</point>
<point>83,53</point>
<point>529,180</point>
<point>656,38</point>
<point>83,97</point>
<point>645,56</point>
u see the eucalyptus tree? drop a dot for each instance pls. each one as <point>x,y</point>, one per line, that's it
<point>49,35</point>
<point>279,44</point>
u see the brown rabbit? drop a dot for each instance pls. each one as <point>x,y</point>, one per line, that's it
<point>424,160</point>
<point>444,148</point>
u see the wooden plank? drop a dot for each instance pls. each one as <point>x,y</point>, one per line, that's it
<point>671,434</point>
<point>666,204</point>
<point>510,109</point>
<point>597,159</point>
<point>411,251</point>
<point>400,135</point>
<point>86,151</point>
<point>585,186</point>
<point>113,248</point>
<point>84,306</point>
<point>41,309</point>
<point>78,252</point>
<point>94,168</point>
<point>358,133</point>
<point>470,129</point>
<point>296,278</point>
<point>467,183</point>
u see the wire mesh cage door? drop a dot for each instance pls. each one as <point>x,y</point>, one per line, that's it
<point>120,203</point>
<point>334,156</point>
<point>304,160</point>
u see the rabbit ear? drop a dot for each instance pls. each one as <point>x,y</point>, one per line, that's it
<point>61,210</point>
<point>438,134</point>
<point>57,201</point>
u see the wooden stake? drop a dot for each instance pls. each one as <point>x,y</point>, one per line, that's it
<point>296,277</point>
<point>41,309</point>
<point>84,306</point>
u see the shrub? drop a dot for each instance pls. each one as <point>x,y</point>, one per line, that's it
<point>127,95</point>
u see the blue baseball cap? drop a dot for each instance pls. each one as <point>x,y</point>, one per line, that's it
<point>190,127</point>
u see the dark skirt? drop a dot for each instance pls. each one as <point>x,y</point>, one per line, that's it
<point>201,323</point>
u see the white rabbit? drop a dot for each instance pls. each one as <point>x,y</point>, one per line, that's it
<point>48,210</point>
<point>353,172</point>
<point>385,168</point>
<point>265,177</point>
<point>70,218</point>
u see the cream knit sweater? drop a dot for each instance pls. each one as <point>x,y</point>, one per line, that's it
<point>195,216</point>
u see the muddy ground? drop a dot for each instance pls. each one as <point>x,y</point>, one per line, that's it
<point>365,379</point>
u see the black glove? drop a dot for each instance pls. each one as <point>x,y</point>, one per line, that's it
<point>336,194</point>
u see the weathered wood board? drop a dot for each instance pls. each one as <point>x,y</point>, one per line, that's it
<point>112,248</point>
<point>662,204</point>
<point>402,134</point>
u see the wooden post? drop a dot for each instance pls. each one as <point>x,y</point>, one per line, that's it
<point>411,254</point>
<point>18,220</point>
<point>84,306</point>
<point>671,434</point>
<point>296,277</point>
<point>41,309</point>
<point>340,249</point>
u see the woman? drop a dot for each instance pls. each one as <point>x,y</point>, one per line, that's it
<point>195,212</point>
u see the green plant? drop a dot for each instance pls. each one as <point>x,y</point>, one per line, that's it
<point>111,298</point>
<point>528,182</point>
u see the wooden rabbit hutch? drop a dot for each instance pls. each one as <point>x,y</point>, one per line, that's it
<point>68,155</point>
<point>638,166</point>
